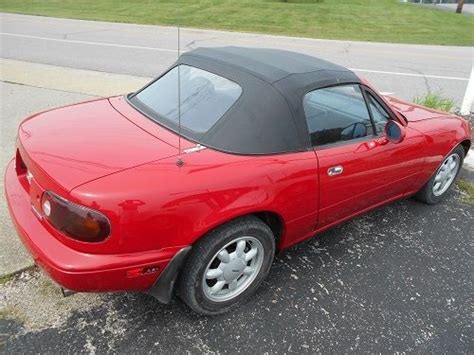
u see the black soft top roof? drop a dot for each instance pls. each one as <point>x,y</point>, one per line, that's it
<point>268,118</point>
<point>268,64</point>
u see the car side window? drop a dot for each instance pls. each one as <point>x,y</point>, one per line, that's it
<point>336,114</point>
<point>379,114</point>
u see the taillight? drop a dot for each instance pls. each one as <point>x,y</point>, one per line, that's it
<point>75,221</point>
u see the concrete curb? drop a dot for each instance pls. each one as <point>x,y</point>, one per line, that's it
<point>80,81</point>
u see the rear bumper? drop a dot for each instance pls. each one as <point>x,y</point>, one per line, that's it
<point>74,270</point>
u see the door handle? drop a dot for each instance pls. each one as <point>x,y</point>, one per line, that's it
<point>335,170</point>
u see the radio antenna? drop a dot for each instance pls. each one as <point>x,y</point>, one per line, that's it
<point>179,162</point>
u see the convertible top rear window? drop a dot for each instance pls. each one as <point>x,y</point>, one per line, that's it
<point>204,96</point>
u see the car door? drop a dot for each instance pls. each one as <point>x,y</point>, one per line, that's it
<point>358,167</point>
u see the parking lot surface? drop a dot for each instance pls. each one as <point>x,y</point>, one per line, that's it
<point>397,279</point>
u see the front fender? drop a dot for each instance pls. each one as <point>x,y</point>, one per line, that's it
<point>443,134</point>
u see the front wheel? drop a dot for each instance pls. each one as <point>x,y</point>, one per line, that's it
<point>442,181</point>
<point>227,266</point>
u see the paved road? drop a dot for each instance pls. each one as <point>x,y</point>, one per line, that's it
<point>397,280</point>
<point>406,70</point>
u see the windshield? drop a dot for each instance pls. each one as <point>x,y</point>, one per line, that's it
<point>205,97</point>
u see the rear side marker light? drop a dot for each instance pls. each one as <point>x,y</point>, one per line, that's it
<point>75,221</point>
<point>142,271</point>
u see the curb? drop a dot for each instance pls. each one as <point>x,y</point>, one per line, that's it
<point>81,81</point>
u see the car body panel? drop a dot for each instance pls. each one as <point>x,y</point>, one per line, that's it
<point>120,104</point>
<point>165,204</point>
<point>443,131</point>
<point>72,269</point>
<point>80,143</point>
<point>373,172</point>
<point>414,112</point>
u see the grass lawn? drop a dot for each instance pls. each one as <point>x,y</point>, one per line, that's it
<point>366,20</point>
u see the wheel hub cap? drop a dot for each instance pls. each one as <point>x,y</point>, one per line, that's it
<point>233,269</point>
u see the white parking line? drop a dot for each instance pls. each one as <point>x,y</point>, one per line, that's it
<point>174,51</point>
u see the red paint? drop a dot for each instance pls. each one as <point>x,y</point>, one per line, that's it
<point>106,156</point>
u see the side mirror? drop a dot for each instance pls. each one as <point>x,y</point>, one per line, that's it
<point>394,131</point>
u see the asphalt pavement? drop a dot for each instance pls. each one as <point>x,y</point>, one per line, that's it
<point>396,280</point>
<point>405,70</point>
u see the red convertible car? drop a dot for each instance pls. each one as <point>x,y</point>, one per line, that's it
<point>193,183</point>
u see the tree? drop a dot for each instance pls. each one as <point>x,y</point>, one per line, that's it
<point>460,5</point>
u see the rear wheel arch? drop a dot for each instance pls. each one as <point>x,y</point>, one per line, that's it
<point>272,219</point>
<point>275,222</point>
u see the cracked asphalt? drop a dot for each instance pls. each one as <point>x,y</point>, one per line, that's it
<point>399,279</point>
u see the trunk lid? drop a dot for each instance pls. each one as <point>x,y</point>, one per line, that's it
<point>83,142</point>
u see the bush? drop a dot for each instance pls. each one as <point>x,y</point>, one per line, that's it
<point>435,101</point>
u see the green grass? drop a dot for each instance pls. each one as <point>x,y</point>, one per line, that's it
<point>468,187</point>
<point>5,278</point>
<point>435,101</point>
<point>367,20</point>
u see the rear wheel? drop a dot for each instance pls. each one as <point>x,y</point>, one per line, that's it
<point>441,182</point>
<point>227,266</point>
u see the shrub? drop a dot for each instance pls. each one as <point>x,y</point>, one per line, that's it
<point>435,101</point>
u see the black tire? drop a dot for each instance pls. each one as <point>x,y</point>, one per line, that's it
<point>426,194</point>
<point>190,283</point>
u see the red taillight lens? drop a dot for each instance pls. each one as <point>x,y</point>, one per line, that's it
<point>75,221</point>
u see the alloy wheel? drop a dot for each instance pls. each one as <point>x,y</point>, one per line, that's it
<point>233,269</point>
<point>446,175</point>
